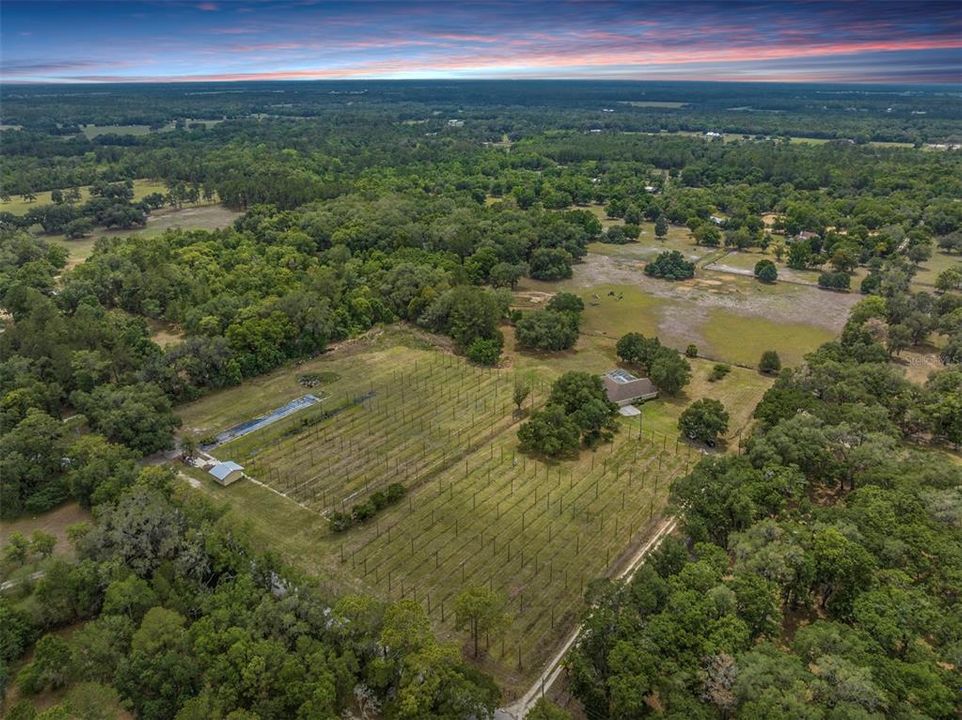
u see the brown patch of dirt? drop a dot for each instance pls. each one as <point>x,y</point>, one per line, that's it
<point>823,495</point>
<point>532,298</point>
<point>797,618</point>
<point>919,363</point>
<point>164,334</point>
<point>54,522</point>
<point>684,321</point>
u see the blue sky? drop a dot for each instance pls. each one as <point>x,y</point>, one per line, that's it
<point>805,41</point>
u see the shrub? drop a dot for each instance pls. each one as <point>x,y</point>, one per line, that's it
<point>799,255</point>
<point>380,499</point>
<point>770,363</point>
<point>339,521</point>
<point>566,302</point>
<point>670,265</point>
<point>363,511</point>
<point>766,271</point>
<point>691,351</point>
<point>394,492</point>
<point>707,235</point>
<point>719,371</point>
<point>834,280</point>
<point>485,351</point>
<point>870,284</point>
<point>549,432</point>
<point>616,235</point>
<point>661,226</point>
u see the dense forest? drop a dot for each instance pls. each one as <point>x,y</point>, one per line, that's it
<point>886,113</point>
<point>822,563</point>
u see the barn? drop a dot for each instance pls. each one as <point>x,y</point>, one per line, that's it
<point>227,472</point>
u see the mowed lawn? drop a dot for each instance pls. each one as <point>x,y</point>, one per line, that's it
<point>741,339</point>
<point>477,511</point>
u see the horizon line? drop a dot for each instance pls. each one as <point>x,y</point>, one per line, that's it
<point>188,79</point>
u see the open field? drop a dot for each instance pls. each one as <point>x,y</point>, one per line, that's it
<point>794,140</point>
<point>92,131</point>
<point>930,269</point>
<point>654,104</point>
<point>730,318</point>
<point>203,217</point>
<point>477,511</point>
<point>743,262</point>
<point>922,360</point>
<point>54,522</point>
<point>739,339</point>
<point>18,206</point>
<point>599,212</point>
<point>648,247</point>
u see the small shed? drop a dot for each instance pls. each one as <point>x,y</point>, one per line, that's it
<point>804,235</point>
<point>227,472</point>
<point>623,388</point>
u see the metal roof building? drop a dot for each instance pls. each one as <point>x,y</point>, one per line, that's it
<point>624,388</point>
<point>227,472</point>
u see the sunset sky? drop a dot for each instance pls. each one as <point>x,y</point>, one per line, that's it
<point>885,41</point>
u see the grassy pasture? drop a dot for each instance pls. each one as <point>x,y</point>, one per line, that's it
<point>205,217</point>
<point>348,370</point>
<point>599,212</point>
<point>741,339</point>
<point>92,131</point>
<point>18,206</point>
<point>722,333</point>
<point>930,269</point>
<point>655,104</point>
<point>743,261</point>
<point>648,247</point>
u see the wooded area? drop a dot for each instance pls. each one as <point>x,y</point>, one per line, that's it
<point>820,569</point>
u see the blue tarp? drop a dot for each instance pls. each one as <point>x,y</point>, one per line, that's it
<point>264,420</point>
